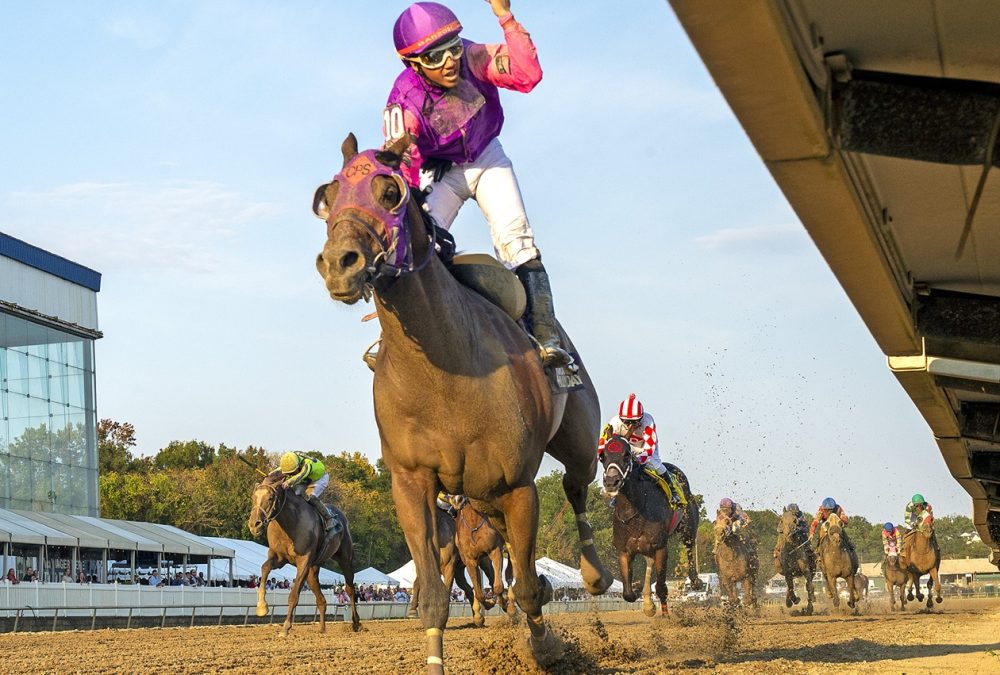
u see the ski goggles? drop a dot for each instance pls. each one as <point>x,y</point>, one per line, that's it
<point>435,58</point>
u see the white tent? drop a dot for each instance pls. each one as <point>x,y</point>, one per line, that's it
<point>250,556</point>
<point>405,575</point>
<point>558,574</point>
<point>371,575</point>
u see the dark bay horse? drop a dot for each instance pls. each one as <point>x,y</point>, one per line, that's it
<point>644,519</point>
<point>449,562</point>
<point>295,535</point>
<point>838,561</point>
<point>462,401</point>
<point>477,539</point>
<point>796,558</point>
<point>921,555</point>
<point>737,562</point>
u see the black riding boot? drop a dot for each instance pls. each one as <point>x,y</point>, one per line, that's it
<point>324,512</point>
<point>542,313</point>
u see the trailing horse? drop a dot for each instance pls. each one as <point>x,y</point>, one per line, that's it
<point>921,555</point>
<point>295,534</point>
<point>837,561</point>
<point>462,400</point>
<point>478,540</point>
<point>895,580</point>
<point>861,585</point>
<point>796,558</point>
<point>644,519</point>
<point>449,562</point>
<point>736,560</point>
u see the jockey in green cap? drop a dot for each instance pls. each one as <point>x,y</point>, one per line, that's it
<point>307,475</point>
<point>918,514</point>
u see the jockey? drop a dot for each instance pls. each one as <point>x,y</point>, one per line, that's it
<point>733,513</point>
<point>636,426</point>
<point>890,540</point>
<point>918,514</point>
<point>825,510</point>
<point>447,100</point>
<point>307,475</point>
<point>444,503</point>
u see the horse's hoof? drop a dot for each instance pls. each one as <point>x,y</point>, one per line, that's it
<point>479,621</point>
<point>649,610</point>
<point>909,596</point>
<point>601,585</point>
<point>796,600</point>
<point>355,626</point>
<point>939,599</point>
<point>546,649</point>
<point>411,614</point>
<point>284,632</point>
<point>261,610</point>
<point>788,603</point>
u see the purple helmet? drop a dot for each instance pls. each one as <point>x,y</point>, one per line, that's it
<point>422,25</point>
<point>726,503</point>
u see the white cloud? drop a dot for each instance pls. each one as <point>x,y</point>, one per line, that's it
<point>773,238</point>
<point>143,33</point>
<point>185,226</point>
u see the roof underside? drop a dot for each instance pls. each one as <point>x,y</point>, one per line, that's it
<point>879,138</point>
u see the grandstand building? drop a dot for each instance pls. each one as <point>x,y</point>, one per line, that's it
<point>48,412</point>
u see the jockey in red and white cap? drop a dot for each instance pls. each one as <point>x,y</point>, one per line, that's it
<point>636,426</point>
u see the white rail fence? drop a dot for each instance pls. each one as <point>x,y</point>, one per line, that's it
<point>101,601</point>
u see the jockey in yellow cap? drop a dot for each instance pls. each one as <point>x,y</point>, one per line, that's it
<point>307,475</point>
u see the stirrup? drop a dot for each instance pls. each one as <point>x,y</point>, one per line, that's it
<point>554,356</point>
<point>371,354</point>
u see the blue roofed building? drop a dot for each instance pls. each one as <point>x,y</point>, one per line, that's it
<point>48,410</point>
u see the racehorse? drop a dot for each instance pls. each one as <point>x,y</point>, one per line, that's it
<point>448,565</point>
<point>644,519</point>
<point>895,578</point>
<point>861,585</point>
<point>477,539</point>
<point>796,558</point>
<point>462,400</point>
<point>921,555</point>
<point>736,560</point>
<point>837,560</point>
<point>295,534</point>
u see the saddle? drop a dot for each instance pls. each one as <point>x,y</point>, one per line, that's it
<point>673,490</point>
<point>485,275</point>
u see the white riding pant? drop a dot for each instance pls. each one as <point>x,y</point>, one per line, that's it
<point>490,180</point>
<point>654,463</point>
<point>316,489</point>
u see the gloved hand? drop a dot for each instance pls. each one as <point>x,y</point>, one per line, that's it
<point>607,431</point>
<point>437,167</point>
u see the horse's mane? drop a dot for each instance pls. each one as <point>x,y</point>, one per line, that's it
<point>273,478</point>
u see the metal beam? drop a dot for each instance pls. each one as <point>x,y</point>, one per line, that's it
<point>985,466</point>
<point>981,420</point>
<point>954,316</point>
<point>932,119</point>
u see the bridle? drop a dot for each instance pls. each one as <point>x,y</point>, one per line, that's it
<point>610,466</point>
<point>273,489</point>
<point>356,204</point>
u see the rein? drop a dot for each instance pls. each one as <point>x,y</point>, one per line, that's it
<point>473,530</point>
<point>268,517</point>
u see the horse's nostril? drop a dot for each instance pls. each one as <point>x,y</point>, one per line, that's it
<point>348,260</point>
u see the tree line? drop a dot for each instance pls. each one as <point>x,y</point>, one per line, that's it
<point>205,489</point>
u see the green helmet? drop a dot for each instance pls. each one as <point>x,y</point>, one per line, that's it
<point>918,499</point>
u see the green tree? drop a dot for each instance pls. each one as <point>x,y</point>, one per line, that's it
<point>184,455</point>
<point>115,441</point>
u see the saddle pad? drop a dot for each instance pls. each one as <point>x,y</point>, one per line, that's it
<point>485,275</point>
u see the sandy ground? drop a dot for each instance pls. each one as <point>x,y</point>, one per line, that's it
<point>961,636</point>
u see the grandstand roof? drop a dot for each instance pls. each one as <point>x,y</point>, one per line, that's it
<point>57,529</point>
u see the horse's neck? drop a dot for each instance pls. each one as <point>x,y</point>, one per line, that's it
<point>426,316</point>
<point>294,515</point>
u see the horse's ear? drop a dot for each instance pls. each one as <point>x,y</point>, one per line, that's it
<point>349,147</point>
<point>320,207</point>
<point>392,154</point>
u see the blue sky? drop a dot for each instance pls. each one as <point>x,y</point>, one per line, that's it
<point>175,147</point>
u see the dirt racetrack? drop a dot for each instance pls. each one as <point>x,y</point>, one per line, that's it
<point>960,636</point>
